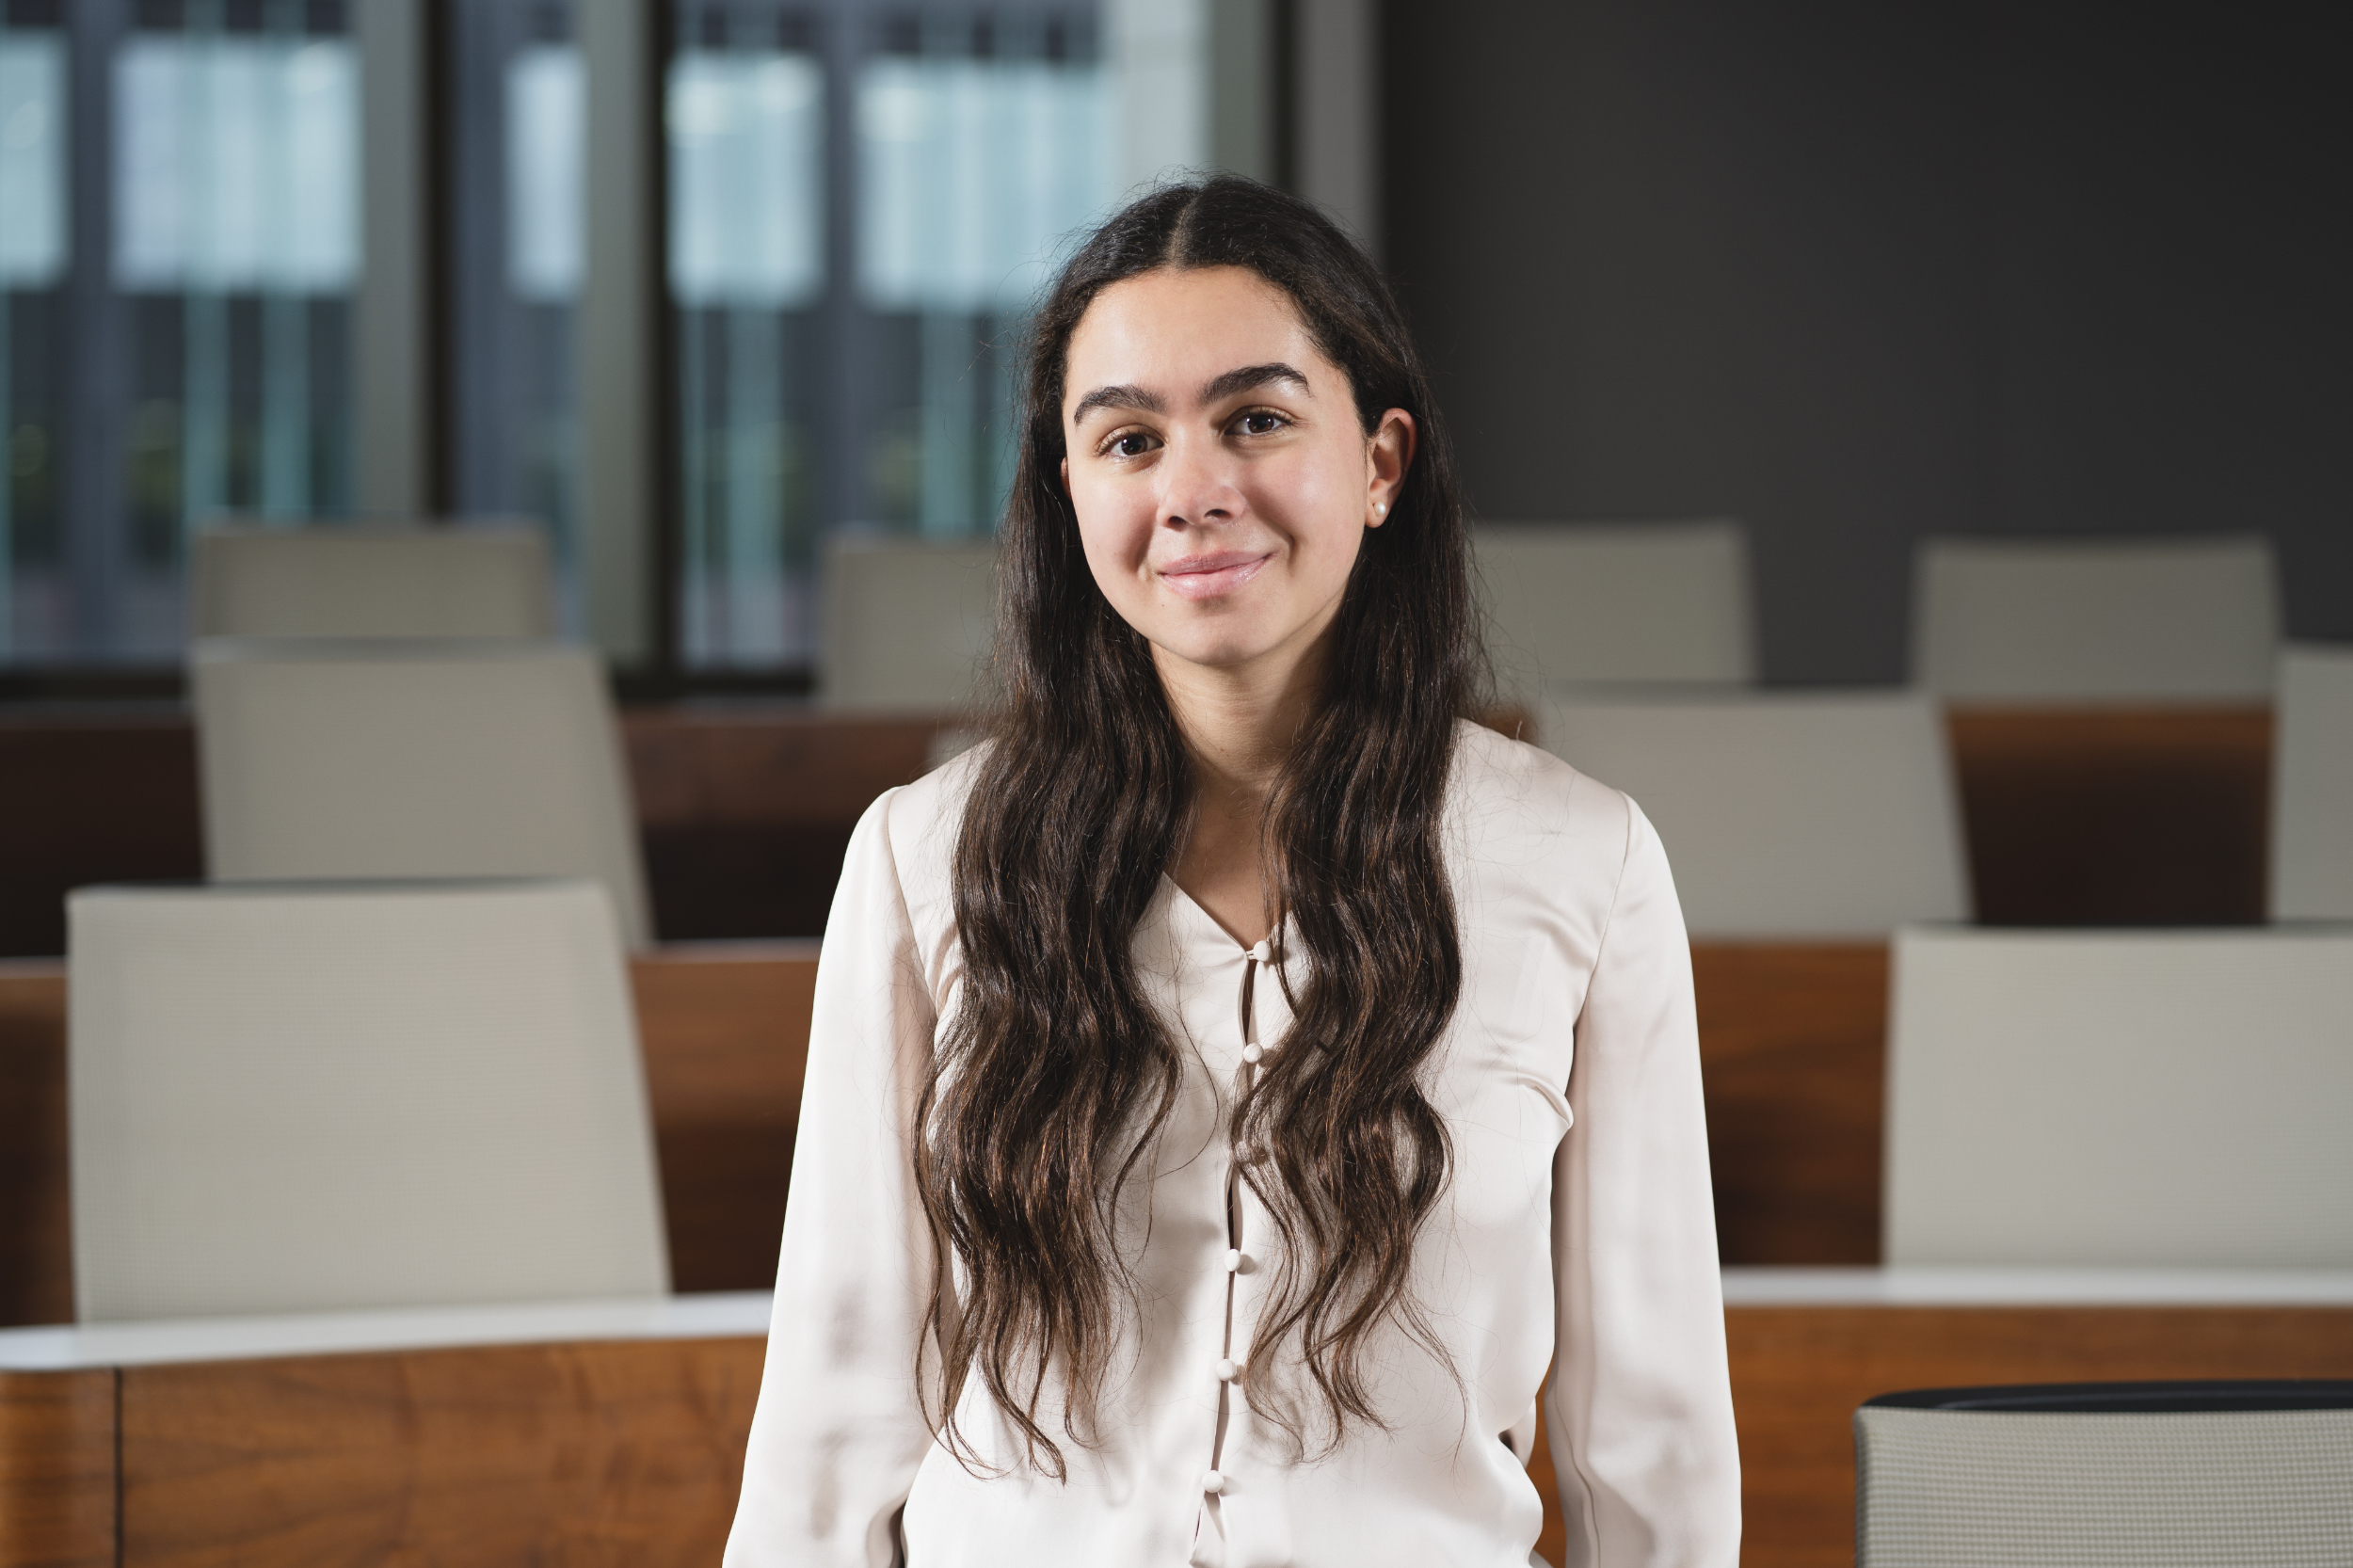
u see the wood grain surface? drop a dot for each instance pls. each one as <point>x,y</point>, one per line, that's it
<point>58,1470</point>
<point>1793,1056</point>
<point>622,1453</point>
<point>745,810</point>
<point>1798,1373</point>
<point>96,794</point>
<point>36,1208</point>
<point>2116,816</point>
<point>726,1036</point>
<point>2075,816</point>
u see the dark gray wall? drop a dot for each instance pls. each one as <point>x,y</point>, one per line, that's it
<point>1858,273</point>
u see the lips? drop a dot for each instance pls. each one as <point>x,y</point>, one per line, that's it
<point>1213,576</point>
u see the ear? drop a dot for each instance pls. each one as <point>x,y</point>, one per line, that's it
<point>1066,478</point>
<point>1388,454</point>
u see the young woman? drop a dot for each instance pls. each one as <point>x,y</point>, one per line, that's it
<point>1236,1083</point>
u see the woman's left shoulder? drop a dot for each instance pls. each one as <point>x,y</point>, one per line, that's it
<point>1518,812</point>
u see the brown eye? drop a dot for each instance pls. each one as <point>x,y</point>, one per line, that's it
<point>1134,445</point>
<point>1261,423</point>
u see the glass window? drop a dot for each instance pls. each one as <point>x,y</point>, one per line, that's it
<point>745,123</point>
<point>32,264</point>
<point>862,204</point>
<point>200,334</point>
<point>981,144</point>
<point>517,232</point>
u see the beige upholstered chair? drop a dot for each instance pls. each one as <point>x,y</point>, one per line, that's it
<point>907,623</point>
<point>2107,620</point>
<point>2312,810</point>
<point>316,1099</point>
<point>2174,1098</point>
<point>1784,815</point>
<point>390,760</point>
<point>371,581</point>
<point>1623,603</point>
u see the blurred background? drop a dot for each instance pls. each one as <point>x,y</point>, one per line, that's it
<point>697,285</point>
<point>490,491</point>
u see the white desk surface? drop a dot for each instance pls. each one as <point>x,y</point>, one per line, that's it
<point>719,1315</point>
<point>745,1313</point>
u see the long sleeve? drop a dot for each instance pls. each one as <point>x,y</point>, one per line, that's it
<point>839,1433</point>
<point>1640,1404</point>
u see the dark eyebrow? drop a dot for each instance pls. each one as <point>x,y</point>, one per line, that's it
<point>1248,376</point>
<point>1118,397</point>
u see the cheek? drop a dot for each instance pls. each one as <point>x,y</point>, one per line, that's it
<point>1115,532</point>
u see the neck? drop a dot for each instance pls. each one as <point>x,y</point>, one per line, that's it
<point>1238,724</point>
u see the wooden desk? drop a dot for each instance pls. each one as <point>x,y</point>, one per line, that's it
<point>2116,816</point>
<point>1808,1346</point>
<point>596,1432</point>
<point>744,809</point>
<point>2075,816</point>
<point>613,1431</point>
<point>1791,1042</point>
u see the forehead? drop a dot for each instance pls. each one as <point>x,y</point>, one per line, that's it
<point>1173,331</point>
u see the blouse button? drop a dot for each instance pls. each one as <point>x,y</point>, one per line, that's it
<point>1252,1051</point>
<point>1263,952</point>
<point>1213,1482</point>
<point>1228,1370</point>
<point>1233,1260</point>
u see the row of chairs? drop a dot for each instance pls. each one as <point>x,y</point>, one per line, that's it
<point>906,622</point>
<point>303,1098</point>
<point>1789,814</point>
<point>1835,814</point>
<point>1673,603</point>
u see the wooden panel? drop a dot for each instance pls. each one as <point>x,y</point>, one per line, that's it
<point>35,1210</point>
<point>621,1453</point>
<point>58,1470</point>
<point>1798,1372</point>
<point>2116,816</point>
<point>1793,1051</point>
<point>746,811</point>
<point>726,1036</point>
<point>103,797</point>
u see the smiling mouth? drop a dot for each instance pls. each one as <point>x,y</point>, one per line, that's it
<point>1213,576</point>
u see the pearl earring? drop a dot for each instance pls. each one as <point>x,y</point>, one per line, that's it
<point>1380,508</point>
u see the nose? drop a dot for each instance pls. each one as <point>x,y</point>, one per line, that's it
<point>1197,484</point>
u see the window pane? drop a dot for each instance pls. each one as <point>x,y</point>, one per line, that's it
<point>978,155</point>
<point>32,262</point>
<point>517,242</point>
<point>856,380</point>
<point>204,347</point>
<point>746,120</point>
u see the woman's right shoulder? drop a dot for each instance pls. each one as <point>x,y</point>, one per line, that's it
<point>915,825</point>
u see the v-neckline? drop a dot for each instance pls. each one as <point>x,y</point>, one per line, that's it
<point>1241,949</point>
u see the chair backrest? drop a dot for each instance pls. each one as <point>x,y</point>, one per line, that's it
<point>2312,809</point>
<point>371,581</point>
<point>336,761</point>
<point>2121,1098</point>
<point>2108,620</point>
<point>1612,602</point>
<point>317,1098</point>
<point>907,623</point>
<point>2165,1474</point>
<point>1784,815</point>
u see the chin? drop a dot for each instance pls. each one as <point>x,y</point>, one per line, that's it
<point>1222,651</point>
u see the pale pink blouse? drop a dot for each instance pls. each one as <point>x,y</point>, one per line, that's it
<point>1576,1233</point>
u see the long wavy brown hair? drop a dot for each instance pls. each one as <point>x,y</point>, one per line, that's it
<point>1056,1074</point>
